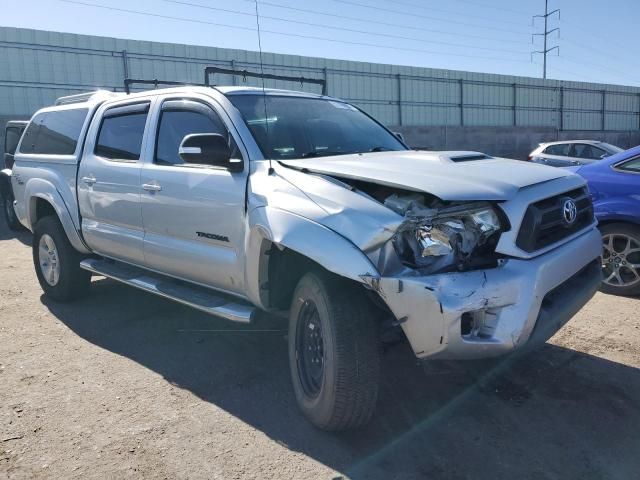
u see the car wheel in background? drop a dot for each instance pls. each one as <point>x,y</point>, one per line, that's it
<point>333,352</point>
<point>57,263</point>
<point>621,259</point>
<point>10,214</point>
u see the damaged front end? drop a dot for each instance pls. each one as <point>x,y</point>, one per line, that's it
<point>439,237</point>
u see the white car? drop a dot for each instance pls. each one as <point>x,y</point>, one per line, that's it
<point>569,153</point>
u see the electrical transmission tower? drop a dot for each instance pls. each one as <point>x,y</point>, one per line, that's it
<point>546,33</point>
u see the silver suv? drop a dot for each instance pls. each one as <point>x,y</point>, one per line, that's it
<point>570,153</point>
<point>234,199</point>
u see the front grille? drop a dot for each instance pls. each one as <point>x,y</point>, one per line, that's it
<point>544,222</point>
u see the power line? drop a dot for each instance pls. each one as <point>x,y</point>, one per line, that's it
<point>273,32</point>
<point>488,5</point>
<point>593,50</point>
<point>426,17</point>
<point>600,67</point>
<point>546,33</point>
<point>593,33</point>
<point>562,70</point>
<point>431,9</point>
<point>351,30</point>
<point>390,24</point>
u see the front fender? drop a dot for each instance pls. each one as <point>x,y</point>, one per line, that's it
<point>37,188</point>
<point>306,237</point>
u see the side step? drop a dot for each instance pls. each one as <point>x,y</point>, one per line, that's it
<point>192,295</point>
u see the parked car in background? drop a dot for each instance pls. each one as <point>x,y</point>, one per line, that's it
<point>13,133</point>
<point>572,152</point>
<point>614,184</point>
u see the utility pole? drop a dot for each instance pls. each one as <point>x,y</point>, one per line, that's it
<point>546,33</point>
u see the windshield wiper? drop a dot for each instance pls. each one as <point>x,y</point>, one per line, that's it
<point>323,153</point>
<point>379,149</point>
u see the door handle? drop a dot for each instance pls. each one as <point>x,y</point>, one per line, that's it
<point>89,180</point>
<point>151,187</point>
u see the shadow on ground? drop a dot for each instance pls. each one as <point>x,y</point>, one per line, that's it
<point>553,414</point>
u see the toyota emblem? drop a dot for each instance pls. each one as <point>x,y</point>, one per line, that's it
<point>569,211</point>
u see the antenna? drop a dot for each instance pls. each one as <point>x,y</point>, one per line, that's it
<point>264,93</point>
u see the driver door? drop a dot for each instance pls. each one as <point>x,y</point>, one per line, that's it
<point>193,215</point>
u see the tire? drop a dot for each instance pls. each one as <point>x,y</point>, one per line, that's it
<point>9,213</point>
<point>345,348</point>
<point>70,282</point>
<point>621,253</point>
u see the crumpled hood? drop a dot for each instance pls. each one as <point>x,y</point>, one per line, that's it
<point>435,173</point>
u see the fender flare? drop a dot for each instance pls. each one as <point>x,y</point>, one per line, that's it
<point>38,188</point>
<point>306,237</point>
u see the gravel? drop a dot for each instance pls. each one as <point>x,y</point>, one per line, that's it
<point>125,384</point>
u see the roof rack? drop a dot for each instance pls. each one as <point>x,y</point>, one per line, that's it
<point>81,97</point>
<point>155,82</point>
<point>245,73</point>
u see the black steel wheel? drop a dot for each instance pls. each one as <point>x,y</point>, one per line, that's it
<point>333,352</point>
<point>310,348</point>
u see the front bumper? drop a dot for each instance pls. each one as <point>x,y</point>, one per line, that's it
<point>486,313</point>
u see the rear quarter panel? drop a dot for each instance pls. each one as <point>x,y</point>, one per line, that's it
<point>52,178</point>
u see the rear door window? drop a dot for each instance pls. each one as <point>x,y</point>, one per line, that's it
<point>55,132</point>
<point>121,132</point>
<point>561,149</point>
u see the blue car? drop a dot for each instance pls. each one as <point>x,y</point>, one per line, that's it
<point>614,183</point>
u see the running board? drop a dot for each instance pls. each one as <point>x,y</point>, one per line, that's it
<point>192,295</point>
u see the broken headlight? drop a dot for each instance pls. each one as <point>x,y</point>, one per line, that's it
<point>455,238</point>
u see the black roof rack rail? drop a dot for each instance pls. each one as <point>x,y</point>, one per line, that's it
<point>246,73</point>
<point>155,82</point>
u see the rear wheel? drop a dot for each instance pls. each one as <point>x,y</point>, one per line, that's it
<point>333,352</point>
<point>9,213</point>
<point>57,263</point>
<point>621,259</point>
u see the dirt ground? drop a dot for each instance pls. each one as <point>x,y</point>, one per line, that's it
<point>125,384</point>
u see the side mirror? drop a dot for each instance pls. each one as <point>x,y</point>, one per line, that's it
<point>400,137</point>
<point>208,149</point>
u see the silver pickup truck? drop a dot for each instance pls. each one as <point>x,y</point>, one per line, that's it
<point>234,199</point>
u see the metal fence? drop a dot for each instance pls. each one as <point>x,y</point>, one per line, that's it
<point>36,67</point>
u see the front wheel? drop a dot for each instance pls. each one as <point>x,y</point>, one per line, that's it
<point>57,263</point>
<point>621,259</point>
<point>333,352</point>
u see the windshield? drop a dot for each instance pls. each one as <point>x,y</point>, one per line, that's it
<point>298,127</point>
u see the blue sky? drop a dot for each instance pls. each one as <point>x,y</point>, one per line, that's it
<point>598,40</point>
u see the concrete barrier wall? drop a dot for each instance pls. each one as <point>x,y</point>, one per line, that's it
<point>511,142</point>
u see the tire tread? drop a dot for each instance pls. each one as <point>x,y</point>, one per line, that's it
<point>356,350</point>
<point>74,282</point>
